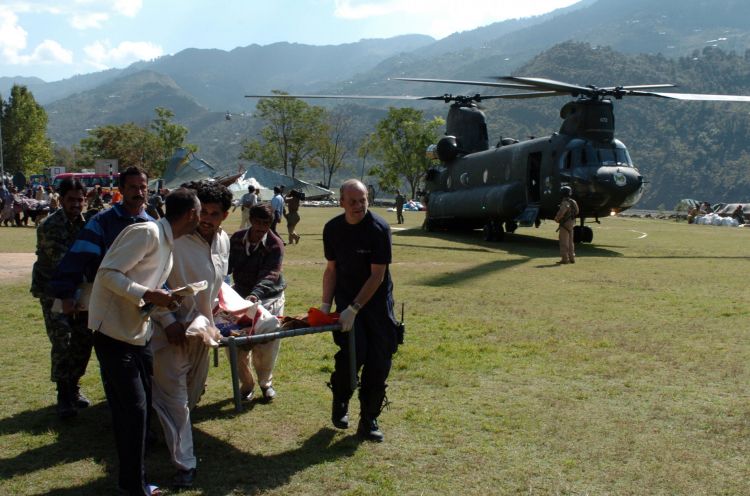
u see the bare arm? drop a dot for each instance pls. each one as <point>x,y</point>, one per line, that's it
<point>329,282</point>
<point>377,274</point>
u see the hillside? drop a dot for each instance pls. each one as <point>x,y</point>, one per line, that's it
<point>672,28</point>
<point>129,98</point>
<point>218,78</point>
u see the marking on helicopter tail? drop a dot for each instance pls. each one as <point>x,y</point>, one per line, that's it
<point>642,234</point>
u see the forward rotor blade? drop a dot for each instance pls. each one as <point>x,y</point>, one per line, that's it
<point>520,96</point>
<point>470,83</point>
<point>353,97</point>
<point>700,97</point>
<point>443,98</point>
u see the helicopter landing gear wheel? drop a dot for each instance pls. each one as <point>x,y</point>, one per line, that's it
<point>588,234</point>
<point>583,234</point>
<point>428,225</point>
<point>577,236</point>
<point>510,226</point>
<point>493,231</point>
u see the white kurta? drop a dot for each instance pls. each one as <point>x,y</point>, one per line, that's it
<point>180,372</point>
<point>139,260</point>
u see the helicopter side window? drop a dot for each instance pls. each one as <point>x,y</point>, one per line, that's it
<point>566,161</point>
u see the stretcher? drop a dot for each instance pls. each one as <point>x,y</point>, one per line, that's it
<point>233,342</point>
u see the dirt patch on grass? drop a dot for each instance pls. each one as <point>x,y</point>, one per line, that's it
<point>16,267</point>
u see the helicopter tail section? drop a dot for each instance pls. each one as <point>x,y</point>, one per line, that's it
<point>472,208</point>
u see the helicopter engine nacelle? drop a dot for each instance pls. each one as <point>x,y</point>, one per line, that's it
<point>447,148</point>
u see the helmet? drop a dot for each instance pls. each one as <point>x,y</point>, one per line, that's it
<point>566,191</point>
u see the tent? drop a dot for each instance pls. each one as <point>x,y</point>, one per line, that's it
<point>186,166</point>
<point>265,179</point>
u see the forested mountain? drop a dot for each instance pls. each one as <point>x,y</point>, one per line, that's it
<point>218,78</point>
<point>130,98</point>
<point>45,92</point>
<point>672,28</point>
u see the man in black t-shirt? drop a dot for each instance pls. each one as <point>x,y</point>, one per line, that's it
<point>358,251</point>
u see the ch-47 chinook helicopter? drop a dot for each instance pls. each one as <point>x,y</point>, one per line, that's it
<point>517,183</point>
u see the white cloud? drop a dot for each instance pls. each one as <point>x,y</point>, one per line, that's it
<point>12,36</point>
<point>13,41</point>
<point>128,8</point>
<point>102,55</point>
<point>88,20</point>
<point>50,52</point>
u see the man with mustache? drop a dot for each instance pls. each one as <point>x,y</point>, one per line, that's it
<point>68,334</point>
<point>82,260</point>
<point>131,276</point>
<point>255,262</point>
<point>180,361</point>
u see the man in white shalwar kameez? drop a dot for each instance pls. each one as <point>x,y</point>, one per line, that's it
<point>181,361</point>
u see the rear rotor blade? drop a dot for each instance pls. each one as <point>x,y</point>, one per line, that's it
<point>551,85</point>
<point>640,87</point>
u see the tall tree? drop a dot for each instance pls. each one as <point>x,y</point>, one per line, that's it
<point>399,144</point>
<point>26,147</point>
<point>148,146</point>
<point>170,135</point>
<point>130,144</point>
<point>289,139</point>
<point>332,147</point>
<point>65,157</point>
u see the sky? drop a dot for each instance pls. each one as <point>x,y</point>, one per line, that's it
<point>57,39</point>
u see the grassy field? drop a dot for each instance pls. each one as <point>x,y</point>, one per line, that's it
<point>626,373</point>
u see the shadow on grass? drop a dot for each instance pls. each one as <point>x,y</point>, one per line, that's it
<point>223,468</point>
<point>452,278</point>
<point>86,436</point>
<point>526,246</point>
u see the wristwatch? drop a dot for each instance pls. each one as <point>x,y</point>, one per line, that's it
<point>356,306</point>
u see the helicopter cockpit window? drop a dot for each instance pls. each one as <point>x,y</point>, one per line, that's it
<point>607,156</point>
<point>623,157</point>
<point>614,157</point>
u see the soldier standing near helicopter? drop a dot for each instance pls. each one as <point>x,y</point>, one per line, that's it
<point>566,217</point>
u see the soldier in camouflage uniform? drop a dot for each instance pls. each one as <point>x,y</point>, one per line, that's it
<point>71,340</point>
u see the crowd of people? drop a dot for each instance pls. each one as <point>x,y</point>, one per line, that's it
<point>19,206</point>
<point>35,202</point>
<point>106,284</point>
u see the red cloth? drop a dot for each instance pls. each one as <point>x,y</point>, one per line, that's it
<point>316,318</point>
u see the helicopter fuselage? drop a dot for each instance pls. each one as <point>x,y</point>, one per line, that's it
<point>522,179</point>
